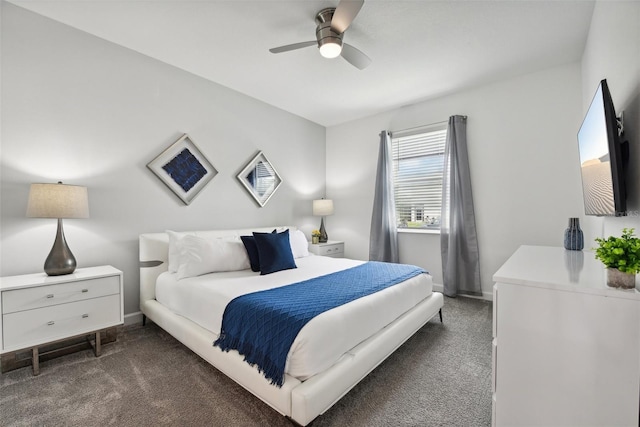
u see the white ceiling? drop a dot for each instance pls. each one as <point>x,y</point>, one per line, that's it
<point>420,49</point>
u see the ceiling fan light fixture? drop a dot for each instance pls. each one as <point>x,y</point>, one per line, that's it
<point>330,49</point>
<point>331,23</point>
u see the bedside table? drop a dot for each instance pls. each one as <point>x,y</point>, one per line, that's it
<point>331,248</point>
<point>38,309</point>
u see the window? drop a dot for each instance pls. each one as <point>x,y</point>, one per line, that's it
<point>418,165</point>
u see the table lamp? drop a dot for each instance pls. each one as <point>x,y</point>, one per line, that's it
<point>322,208</point>
<point>58,201</point>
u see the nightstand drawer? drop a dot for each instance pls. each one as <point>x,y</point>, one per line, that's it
<point>332,248</point>
<point>32,327</point>
<point>44,296</point>
<point>329,250</point>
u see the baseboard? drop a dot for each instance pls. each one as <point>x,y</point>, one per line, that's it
<point>488,296</point>
<point>133,318</point>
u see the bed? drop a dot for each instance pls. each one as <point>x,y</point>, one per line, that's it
<point>319,371</point>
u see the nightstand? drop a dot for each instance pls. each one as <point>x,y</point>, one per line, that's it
<point>331,248</point>
<point>38,309</point>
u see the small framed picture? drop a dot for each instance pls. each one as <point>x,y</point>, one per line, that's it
<point>183,168</point>
<point>260,179</point>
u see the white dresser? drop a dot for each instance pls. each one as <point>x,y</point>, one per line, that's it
<point>331,248</point>
<point>566,348</point>
<point>38,309</point>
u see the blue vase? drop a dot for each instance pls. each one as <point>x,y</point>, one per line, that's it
<point>573,236</point>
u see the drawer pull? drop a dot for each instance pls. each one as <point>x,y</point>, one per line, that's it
<point>49,295</point>
<point>84,316</point>
<point>51,323</point>
<point>85,290</point>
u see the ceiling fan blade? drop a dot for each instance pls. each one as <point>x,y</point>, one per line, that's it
<point>294,46</point>
<point>344,14</point>
<point>355,57</point>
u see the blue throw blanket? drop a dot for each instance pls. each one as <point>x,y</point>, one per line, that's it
<point>263,325</point>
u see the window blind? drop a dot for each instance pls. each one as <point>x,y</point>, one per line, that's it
<point>418,164</point>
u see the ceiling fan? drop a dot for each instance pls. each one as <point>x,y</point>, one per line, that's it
<point>331,23</point>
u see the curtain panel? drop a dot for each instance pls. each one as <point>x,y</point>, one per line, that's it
<point>383,242</point>
<point>458,238</point>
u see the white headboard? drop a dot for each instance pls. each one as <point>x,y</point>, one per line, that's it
<point>154,254</point>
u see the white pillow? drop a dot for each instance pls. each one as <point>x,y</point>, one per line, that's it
<point>174,250</point>
<point>299,244</point>
<point>201,256</point>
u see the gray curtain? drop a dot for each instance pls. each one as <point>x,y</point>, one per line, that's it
<point>458,239</point>
<point>383,243</point>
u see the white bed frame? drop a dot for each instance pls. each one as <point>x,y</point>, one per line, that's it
<point>302,401</point>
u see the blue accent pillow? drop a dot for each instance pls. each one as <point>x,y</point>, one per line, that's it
<point>274,252</point>
<point>252,251</point>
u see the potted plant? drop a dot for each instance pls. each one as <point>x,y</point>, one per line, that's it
<point>315,236</point>
<point>621,256</point>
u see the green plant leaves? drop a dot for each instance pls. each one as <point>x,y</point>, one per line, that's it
<point>622,252</point>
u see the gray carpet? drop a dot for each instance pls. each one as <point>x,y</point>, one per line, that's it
<point>439,377</point>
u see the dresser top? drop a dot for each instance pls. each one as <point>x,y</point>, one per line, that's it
<point>41,279</point>
<point>557,268</point>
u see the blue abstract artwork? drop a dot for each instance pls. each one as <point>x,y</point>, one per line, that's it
<point>185,170</point>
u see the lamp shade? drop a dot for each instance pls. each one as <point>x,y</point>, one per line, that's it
<point>58,201</point>
<point>322,207</point>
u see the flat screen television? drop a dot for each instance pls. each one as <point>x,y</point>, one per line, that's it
<point>602,158</point>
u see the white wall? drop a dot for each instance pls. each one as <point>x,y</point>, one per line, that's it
<point>523,159</point>
<point>88,112</point>
<point>612,52</point>
<point>85,111</point>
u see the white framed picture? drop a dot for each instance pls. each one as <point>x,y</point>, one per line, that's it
<point>260,179</point>
<point>183,168</point>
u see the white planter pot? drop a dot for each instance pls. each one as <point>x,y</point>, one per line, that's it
<point>618,279</point>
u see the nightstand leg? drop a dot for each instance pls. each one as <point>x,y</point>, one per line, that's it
<point>35,361</point>
<point>98,348</point>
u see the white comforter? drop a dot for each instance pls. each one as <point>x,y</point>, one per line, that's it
<point>326,338</point>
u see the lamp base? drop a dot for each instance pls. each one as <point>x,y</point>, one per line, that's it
<point>323,233</point>
<point>60,260</point>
